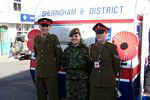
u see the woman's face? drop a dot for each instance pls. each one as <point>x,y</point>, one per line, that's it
<point>101,37</point>
<point>75,39</point>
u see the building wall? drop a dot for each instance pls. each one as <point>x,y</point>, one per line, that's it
<point>14,21</point>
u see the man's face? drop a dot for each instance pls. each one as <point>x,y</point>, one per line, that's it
<point>101,37</point>
<point>44,29</point>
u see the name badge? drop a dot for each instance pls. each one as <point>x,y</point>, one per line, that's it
<point>96,64</point>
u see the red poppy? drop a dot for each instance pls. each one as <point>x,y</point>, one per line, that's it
<point>127,45</point>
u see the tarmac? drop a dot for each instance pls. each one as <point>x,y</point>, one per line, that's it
<point>9,66</point>
<point>15,80</point>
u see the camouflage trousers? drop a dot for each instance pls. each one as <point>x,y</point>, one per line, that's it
<point>77,89</point>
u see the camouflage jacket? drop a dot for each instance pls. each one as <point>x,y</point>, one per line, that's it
<point>75,61</point>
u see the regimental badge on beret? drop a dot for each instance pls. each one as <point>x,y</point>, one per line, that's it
<point>76,30</point>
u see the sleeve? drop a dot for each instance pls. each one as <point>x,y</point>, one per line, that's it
<point>34,47</point>
<point>90,62</point>
<point>64,59</point>
<point>58,51</point>
<point>90,52</point>
<point>116,61</point>
<point>87,60</point>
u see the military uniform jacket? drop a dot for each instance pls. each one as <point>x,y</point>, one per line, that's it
<point>105,76</point>
<point>75,61</point>
<point>48,54</point>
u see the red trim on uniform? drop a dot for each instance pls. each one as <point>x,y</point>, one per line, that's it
<point>100,28</point>
<point>94,21</point>
<point>44,22</point>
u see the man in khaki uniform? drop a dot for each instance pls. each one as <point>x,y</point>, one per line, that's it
<point>48,53</point>
<point>105,65</point>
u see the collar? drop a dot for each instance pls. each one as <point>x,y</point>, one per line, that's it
<point>79,45</point>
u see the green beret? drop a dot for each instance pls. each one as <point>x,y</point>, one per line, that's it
<point>74,31</point>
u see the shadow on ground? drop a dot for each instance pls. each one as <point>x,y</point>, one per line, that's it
<point>17,87</point>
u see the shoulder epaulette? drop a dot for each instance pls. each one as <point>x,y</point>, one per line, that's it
<point>92,45</point>
<point>52,35</point>
<point>111,45</point>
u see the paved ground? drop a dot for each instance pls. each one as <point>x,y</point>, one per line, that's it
<point>9,66</point>
<point>15,80</point>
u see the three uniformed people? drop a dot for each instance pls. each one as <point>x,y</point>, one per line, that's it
<point>48,53</point>
<point>105,65</point>
<point>75,63</point>
<point>103,55</point>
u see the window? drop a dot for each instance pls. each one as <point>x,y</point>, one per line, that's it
<point>17,5</point>
<point>22,28</point>
<point>17,0</point>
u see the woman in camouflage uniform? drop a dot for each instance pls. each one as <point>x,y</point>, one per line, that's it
<point>74,62</point>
